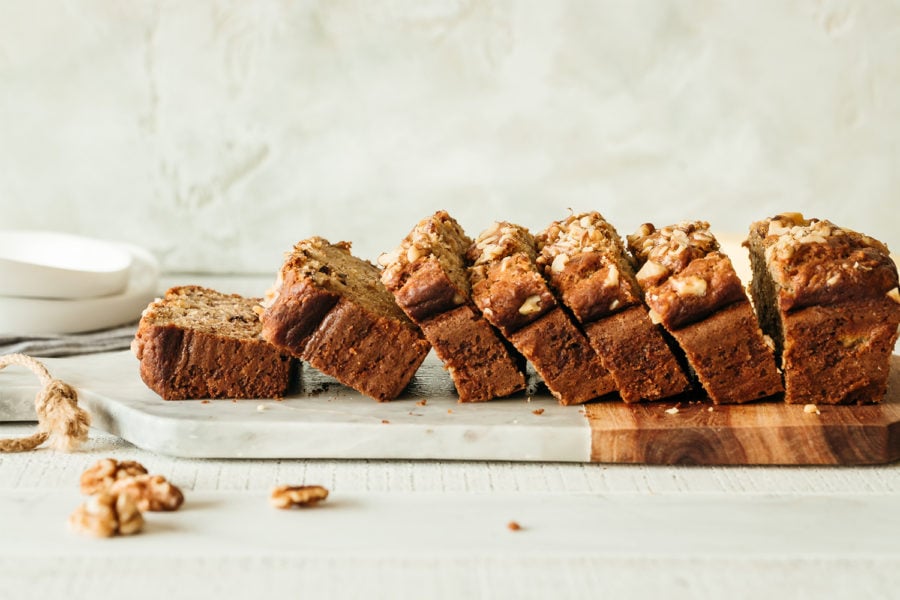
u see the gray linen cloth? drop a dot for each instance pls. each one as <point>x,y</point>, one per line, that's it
<point>105,340</point>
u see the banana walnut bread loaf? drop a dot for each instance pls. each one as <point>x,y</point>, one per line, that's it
<point>584,260</point>
<point>427,275</point>
<point>693,290</point>
<point>330,309</point>
<point>200,343</point>
<point>828,297</point>
<point>508,288</point>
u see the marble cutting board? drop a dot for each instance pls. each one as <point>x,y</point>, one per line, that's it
<point>328,420</point>
<point>324,420</point>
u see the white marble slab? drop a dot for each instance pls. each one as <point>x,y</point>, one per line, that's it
<point>323,420</point>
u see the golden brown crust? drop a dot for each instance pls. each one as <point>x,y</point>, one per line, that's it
<point>684,276</point>
<point>704,286</point>
<point>815,262</point>
<point>585,261</point>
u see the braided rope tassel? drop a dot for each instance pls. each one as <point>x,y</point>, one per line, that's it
<point>60,419</point>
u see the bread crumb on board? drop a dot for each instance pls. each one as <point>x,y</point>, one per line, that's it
<point>672,411</point>
<point>513,526</point>
<point>538,411</point>
<point>811,409</point>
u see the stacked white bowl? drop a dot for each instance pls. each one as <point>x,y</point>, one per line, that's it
<point>59,283</point>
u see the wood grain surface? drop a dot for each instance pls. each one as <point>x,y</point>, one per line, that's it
<point>762,433</point>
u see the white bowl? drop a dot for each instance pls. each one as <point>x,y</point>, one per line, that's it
<point>41,316</point>
<point>45,264</point>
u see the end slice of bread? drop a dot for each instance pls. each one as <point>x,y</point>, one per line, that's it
<point>199,343</point>
<point>828,298</point>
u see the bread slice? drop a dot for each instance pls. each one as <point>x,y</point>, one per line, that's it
<point>693,290</point>
<point>584,260</point>
<point>508,288</point>
<point>199,343</point>
<point>427,275</point>
<point>828,297</point>
<point>330,309</point>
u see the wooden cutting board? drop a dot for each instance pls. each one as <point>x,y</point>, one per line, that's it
<point>763,433</point>
<point>327,420</point>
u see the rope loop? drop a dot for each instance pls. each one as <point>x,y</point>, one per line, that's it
<point>60,419</point>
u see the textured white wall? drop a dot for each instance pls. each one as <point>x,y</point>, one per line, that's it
<point>217,133</point>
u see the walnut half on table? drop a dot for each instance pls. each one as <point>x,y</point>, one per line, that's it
<point>149,492</point>
<point>287,496</point>
<point>106,515</point>
<point>106,471</point>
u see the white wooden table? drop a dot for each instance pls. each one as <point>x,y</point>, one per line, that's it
<point>417,529</point>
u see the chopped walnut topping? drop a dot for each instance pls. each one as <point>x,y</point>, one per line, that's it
<point>102,474</point>
<point>689,286</point>
<point>672,247</point>
<point>651,273</point>
<point>288,496</point>
<point>612,277</point>
<point>894,295</point>
<point>414,253</point>
<point>106,515</point>
<point>492,242</point>
<point>793,231</point>
<point>149,492</point>
<point>531,305</point>
<point>559,263</point>
<point>388,258</point>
